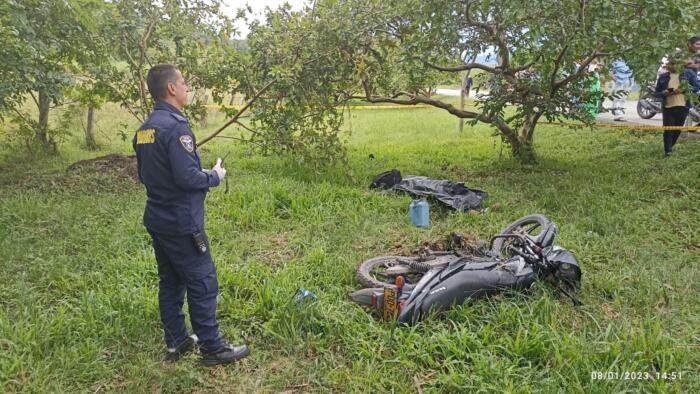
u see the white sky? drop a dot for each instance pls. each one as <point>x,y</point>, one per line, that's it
<point>258,6</point>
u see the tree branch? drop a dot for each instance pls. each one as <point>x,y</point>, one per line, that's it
<point>557,65</point>
<point>239,113</point>
<point>142,59</point>
<point>463,67</point>
<point>479,66</point>
<point>21,115</point>
<point>34,98</point>
<point>580,72</point>
<point>492,30</point>
<point>255,132</point>
<point>416,99</point>
<point>230,137</point>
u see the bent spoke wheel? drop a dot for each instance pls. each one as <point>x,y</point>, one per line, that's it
<point>530,225</point>
<point>373,272</point>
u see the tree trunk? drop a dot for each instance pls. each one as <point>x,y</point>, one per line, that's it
<point>462,98</point>
<point>203,120</point>
<point>42,131</point>
<point>463,93</point>
<point>145,103</point>
<point>89,129</point>
<point>523,151</point>
<point>522,147</point>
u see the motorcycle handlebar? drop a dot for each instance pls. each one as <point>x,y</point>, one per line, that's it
<point>531,252</point>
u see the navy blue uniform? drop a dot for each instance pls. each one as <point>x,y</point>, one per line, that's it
<point>176,185</point>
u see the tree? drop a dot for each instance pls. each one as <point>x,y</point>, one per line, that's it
<point>187,33</point>
<point>388,51</point>
<point>285,72</point>
<point>95,51</point>
<point>39,41</point>
<point>90,88</point>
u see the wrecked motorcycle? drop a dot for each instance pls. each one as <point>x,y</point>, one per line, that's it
<point>412,287</point>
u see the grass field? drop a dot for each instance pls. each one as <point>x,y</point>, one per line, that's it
<point>79,283</point>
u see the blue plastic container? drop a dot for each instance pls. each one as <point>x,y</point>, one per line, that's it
<point>419,213</point>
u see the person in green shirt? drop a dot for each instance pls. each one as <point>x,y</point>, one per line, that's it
<point>593,88</point>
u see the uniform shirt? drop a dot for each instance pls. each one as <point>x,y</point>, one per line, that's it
<point>621,72</point>
<point>169,167</point>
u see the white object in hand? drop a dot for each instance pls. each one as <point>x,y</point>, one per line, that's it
<point>220,171</point>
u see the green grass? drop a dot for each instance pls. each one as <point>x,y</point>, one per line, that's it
<point>79,282</point>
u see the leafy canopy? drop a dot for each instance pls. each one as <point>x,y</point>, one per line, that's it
<point>390,51</point>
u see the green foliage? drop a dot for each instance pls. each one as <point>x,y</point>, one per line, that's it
<point>192,34</point>
<point>39,42</point>
<point>300,66</point>
<point>79,305</point>
<point>298,114</point>
<point>93,51</point>
<point>38,39</point>
<point>391,51</point>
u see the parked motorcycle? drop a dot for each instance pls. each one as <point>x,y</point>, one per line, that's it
<point>648,105</point>
<point>409,288</point>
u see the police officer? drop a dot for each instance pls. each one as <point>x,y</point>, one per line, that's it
<point>176,185</point>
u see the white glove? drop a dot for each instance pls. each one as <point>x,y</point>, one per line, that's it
<point>220,171</point>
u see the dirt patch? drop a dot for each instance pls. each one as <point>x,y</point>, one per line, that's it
<point>464,244</point>
<point>610,311</point>
<point>120,165</point>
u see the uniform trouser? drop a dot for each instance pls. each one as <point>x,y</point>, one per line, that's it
<point>182,269</point>
<point>673,116</point>
<point>620,91</point>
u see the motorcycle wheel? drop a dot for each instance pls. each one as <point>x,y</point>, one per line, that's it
<point>371,273</point>
<point>692,119</point>
<point>643,112</point>
<point>530,225</point>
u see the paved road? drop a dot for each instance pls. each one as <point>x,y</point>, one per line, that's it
<point>630,111</point>
<point>630,115</point>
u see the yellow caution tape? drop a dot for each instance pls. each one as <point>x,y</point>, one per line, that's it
<point>352,107</point>
<point>629,126</point>
<point>361,107</point>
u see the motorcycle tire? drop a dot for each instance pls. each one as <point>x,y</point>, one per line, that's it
<point>692,120</point>
<point>366,269</point>
<point>525,225</point>
<point>644,113</point>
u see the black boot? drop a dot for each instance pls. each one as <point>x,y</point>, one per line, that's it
<point>225,354</point>
<point>174,354</point>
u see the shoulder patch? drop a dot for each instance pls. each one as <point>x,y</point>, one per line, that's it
<point>145,136</point>
<point>187,143</point>
<point>178,117</point>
